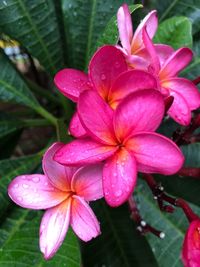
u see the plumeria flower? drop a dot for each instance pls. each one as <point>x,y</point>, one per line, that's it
<point>124,139</point>
<point>64,192</point>
<point>132,43</point>
<point>108,76</point>
<point>191,245</point>
<point>185,93</point>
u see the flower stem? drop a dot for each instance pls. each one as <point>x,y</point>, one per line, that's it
<point>44,113</point>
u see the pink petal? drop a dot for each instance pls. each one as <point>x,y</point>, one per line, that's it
<point>175,63</point>
<point>87,182</point>
<point>35,192</point>
<point>151,24</point>
<point>57,174</point>
<point>179,109</point>
<point>83,151</point>
<point>185,88</point>
<point>155,153</point>
<point>96,116</point>
<point>83,221</point>
<point>155,63</point>
<point>137,62</point>
<point>142,110</point>
<point>53,228</point>
<point>119,178</point>
<point>129,82</point>
<point>71,83</point>
<point>124,23</point>
<point>75,127</point>
<point>106,64</point>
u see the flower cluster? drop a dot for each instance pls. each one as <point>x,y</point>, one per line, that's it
<point>121,102</point>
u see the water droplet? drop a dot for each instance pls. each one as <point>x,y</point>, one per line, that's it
<point>25,186</point>
<point>36,179</point>
<point>42,226</point>
<point>118,193</point>
<point>20,198</point>
<point>117,65</point>
<point>16,185</point>
<point>114,174</point>
<point>103,77</point>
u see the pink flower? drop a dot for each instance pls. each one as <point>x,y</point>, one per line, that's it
<point>185,93</point>
<point>132,44</point>
<point>124,139</point>
<point>108,76</point>
<point>191,245</point>
<point>64,192</point>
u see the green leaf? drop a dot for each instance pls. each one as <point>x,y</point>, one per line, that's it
<point>84,23</point>
<point>110,34</point>
<point>8,143</point>
<point>176,32</point>
<point>19,244</point>
<point>9,169</point>
<point>12,86</point>
<point>167,251</point>
<point>34,25</point>
<point>119,244</point>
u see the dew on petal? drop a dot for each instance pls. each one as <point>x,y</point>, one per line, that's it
<point>25,186</point>
<point>118,193</point>
<point>36,179</point>
<point>103,77</point>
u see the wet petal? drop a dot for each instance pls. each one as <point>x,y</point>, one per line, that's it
<point>175,63</point>
<point>140,111</point>
<point>83,221</point>
<point>71,83</point>
<point>106,64</point>
<point>151,24</point>
<point>83,151</point>
<point>87,182</point>
<point>119,178</point>
<point>53,228</point>
<point>155,153</point>
<point>96,116</point>
<point>34,191</point>
<point>129,82</point>
<point>75,127</point>
<point>124,23</point>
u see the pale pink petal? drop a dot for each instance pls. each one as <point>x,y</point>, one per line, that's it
<point>34,191</point>
<point>53,228</point>
<point>175,63</point>
<point>179,109</point>
<point>96,116</point>
<point>75,127</point>
<point>106,64</point>
<point>140,111</point>
<point>87,182</point>
<point>151,24</point>
<point>119,178</point>
<point>186,88</point>
<point>124,23</point>
<point>137,62</point>
<point>155,153</point>
<point>57,174</point>
<point>83,221</point>
<point>71,83</point>
<point>83,151</point>
<point>154,63</point>
<point>129,82</point>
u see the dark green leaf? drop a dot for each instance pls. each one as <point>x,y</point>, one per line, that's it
<point>119,244</point>
<point>34,24</point>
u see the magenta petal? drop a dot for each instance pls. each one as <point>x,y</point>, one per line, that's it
<point>175,63</point>
<point>140,111</point>
<point>119,178</point>
<point>96,115</point>
<point>124,23</point>
<point>87,182</point>
<point>57,174</point>
<point>75,127</point>
<point>155,153</point>
<point>163,52</point>
<point>71,83</point>
<point>186,88</point>
<point>129,82</point>
<point>151,24</point>
<point>106,64</point>
<point>83,151</point>
<point>179,109</point>
<point>83,221</point>
<point>35,192</point>
<point>53,228</point>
